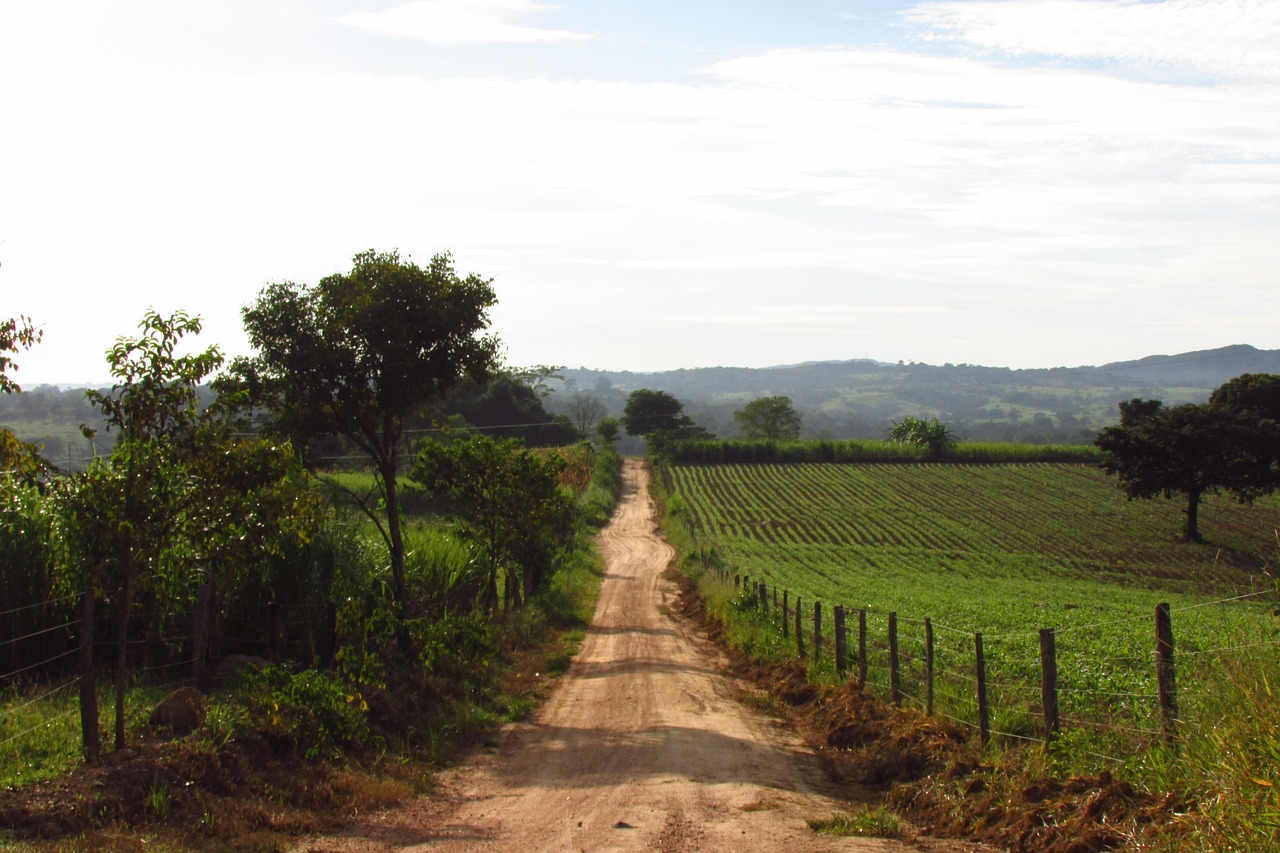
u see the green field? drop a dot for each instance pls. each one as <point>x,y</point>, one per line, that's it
<point>1005,550</point>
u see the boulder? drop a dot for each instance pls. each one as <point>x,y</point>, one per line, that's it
<point>230,667</point>
<point>181,711</point>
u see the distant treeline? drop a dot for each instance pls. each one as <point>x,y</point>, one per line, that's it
<point>870,450</point>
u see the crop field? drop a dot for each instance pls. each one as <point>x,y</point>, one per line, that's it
<point>1005,550</point>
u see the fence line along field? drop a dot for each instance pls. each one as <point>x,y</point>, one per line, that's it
<point>1005,550</point>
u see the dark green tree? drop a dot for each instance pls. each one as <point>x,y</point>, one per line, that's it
<point>362,352</point>
<point>1194,449</point>
<point>509,502</point>
<point>769,418</point>
<point>660,418</point>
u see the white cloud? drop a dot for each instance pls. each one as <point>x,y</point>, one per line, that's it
<point>1230,38</point>
<point>444,21</point>
<point>895,204</point>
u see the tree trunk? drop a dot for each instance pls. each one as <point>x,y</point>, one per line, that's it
<point>200,638</point>
<point>1191,530</point>
<point>399,589</point>
<point>92,743</point>
<point>122,647</point>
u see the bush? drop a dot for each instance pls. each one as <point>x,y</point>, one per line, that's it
<point>315,712</point>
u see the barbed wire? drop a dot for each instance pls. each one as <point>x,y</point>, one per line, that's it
<point>39,604</point>
<point>6,676</point>
<point>39,633</point>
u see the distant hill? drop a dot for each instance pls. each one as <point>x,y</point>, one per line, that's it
<point>837,399</point>
<point>858,398</point>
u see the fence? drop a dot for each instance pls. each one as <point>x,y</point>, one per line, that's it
<point>1027,697</point>
<point>40,682</point>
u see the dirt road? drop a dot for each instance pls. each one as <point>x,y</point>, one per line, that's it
<point>642,745</point>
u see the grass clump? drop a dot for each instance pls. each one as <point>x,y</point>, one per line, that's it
<point>866,822</point>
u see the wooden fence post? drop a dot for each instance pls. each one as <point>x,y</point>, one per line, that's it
<point>928,665</point>
<point>786,614</point>
<point>817,631</point>
<point>775,597</point>
<point>1166,684</point>
<point>895,666</point>
<point>799,628</point>
<point>737,581</point>
<point>1049,684</point>
<point>862,649</point>
<point>842,646</point>
<point>980,669</point>
<point>764,598</point>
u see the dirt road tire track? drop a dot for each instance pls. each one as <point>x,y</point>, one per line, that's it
<point>642,745</point>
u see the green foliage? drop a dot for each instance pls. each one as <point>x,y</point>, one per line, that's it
<point>39,737</point>
<point>933,436</point>
<point>769,419</point>
<point>359,354</point>
<point>595,505</point>
<point>607,429</point>
<point>865,822</point>
<point>28,579</point>
<point>315,712</point>
<point>16,333</point>
<point>507,406</point>
<point>508,502</point>
<point>1231,443</point>
<point>1005,550</point>
<point>660,418</point>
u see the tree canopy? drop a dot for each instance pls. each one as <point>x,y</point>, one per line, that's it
<point>1231,443</point>
<point>659,417</point>
<point>508,501</point>
<point>770,419</point>
<point>359,353</point>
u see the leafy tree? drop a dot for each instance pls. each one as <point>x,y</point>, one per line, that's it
<point>250,506</point>
<point>935,437</point>
<point>659,417</point>
<point>1255,399</point>
<point>607,429</point>
<point>362,352</point>
<point>507,407</point>
<point>1193,450</point>
<point>125,509</point>
<point>769,418</point>
<point>182,499</point>
<point>509,502</point>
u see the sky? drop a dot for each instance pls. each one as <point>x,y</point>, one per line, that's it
<point>653,184</point>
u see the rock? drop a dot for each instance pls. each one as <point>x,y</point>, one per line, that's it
<point>230,667</point>
<point>181,711</point>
